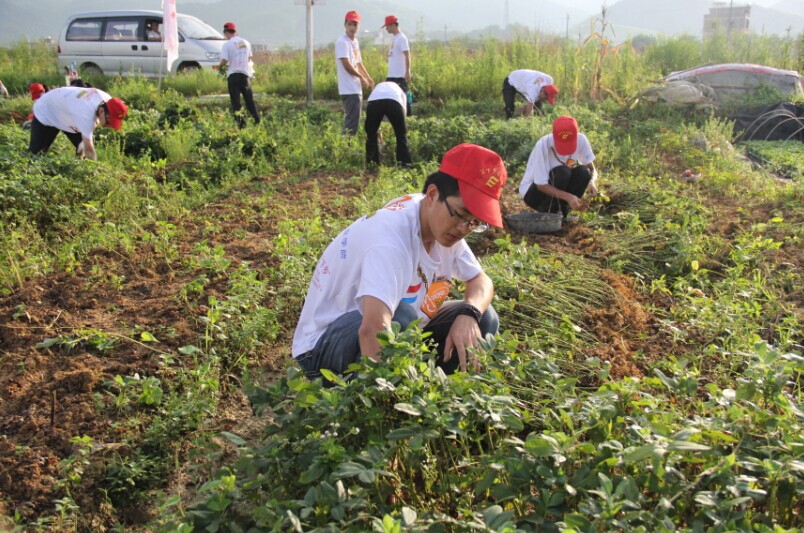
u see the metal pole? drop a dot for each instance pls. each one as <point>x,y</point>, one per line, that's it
<point>309,52</point>
<point>728,31</point>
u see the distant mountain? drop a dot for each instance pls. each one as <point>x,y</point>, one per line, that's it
<point>631,17</point>
<point>277,23</point>
<point>282,22</point>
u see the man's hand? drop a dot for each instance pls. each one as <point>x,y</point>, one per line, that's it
<point>463,334</point>
<point>573,201</point>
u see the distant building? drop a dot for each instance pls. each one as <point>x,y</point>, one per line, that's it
<point>726,18</point>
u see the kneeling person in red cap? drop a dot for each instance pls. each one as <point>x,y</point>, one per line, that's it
<point>399,264</point>
<point>76,111</point>
<point>534,86</point>
<point>560,169</point>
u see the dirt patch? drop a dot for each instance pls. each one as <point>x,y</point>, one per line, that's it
<point>49,394</point>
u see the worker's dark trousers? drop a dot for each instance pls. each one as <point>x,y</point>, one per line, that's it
<point>240,83</point>
<point>574,181</point>
<point>375,111</point>
<point>42,137</point>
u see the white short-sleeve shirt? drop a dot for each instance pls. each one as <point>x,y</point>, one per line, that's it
<point>348,49</point>
<point>389,90</point>
<point>396,56</point>
<point>237,53</point>
<point>70,109</point>
<point>544,158</point>
<point>529,83</point>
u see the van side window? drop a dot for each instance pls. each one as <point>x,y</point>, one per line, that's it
<point>122,30</point>
<point>85,30</point>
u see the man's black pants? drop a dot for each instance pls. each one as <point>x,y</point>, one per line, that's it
<point>239,84</point>
<point>404,86</point>
<point>375,111</point>
<point>574,181</point>
<point>42,137</point>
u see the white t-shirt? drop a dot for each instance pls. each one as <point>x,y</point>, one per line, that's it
<point>70,109</point>
<point>529,83</point>
<point>396,56</point>
<point>383,256</point>
<point>237,53</point>
<point>389,90</point>
<point>544,158</point>
<point>349,49</point>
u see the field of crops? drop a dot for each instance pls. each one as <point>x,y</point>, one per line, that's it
<point>647,376</point>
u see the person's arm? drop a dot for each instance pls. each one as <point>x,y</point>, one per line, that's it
<point>351,70</point>
<point>593,182</point>
<point>573,201</point>
<point>407,65</point>
<point>365,76</point>
<point>89,149</point>
<point>465,331</point>
<point>376,318</point>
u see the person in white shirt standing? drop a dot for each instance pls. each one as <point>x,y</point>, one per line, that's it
<point>560,169</point>
<point>237,59</point>
<point>352,75</point>
<point>534,86</point>
<point>386,100</point>
<point>398,57</point>
<point>76,111</point>
<point>399,263</point>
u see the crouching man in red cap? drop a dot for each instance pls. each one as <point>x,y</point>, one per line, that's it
<point>560,169</point>
<point>76,111</point>
<point>534,86</point>
<point>399,263</point>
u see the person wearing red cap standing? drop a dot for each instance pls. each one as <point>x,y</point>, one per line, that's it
<point>352,75</point>
<point>76,111</point>
<point>399,263</point>
<point>398,57</point>
<point>534,86</point>
<point>560,169</point>
<point>236,61</point>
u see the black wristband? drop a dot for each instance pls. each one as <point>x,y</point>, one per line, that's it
<point>469,310</point>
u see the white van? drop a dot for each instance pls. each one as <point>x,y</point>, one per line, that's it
<point>129,43</point>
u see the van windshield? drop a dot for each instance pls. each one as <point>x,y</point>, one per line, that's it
<point>192,28</point>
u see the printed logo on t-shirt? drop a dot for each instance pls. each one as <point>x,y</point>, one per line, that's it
<point>412,294</point>
<point>398,204</point>
<point>436,295</point>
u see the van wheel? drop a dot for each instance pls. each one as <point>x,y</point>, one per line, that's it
<point>187,68</point>
<point>91,71</point>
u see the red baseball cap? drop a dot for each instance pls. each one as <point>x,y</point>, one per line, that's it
<point>36,90</point>
<point>117,112</point>
<point>230,26</point>
<point>481,175</point>
<point>565,135</point>
<point>390,19</point>
<point>352,16</point>
<point>551,91</point>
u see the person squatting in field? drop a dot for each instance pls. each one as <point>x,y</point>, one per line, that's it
<point>534,86</point>
<point>76,111</point>
<point>399,265</point>
<point>560,169</point>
